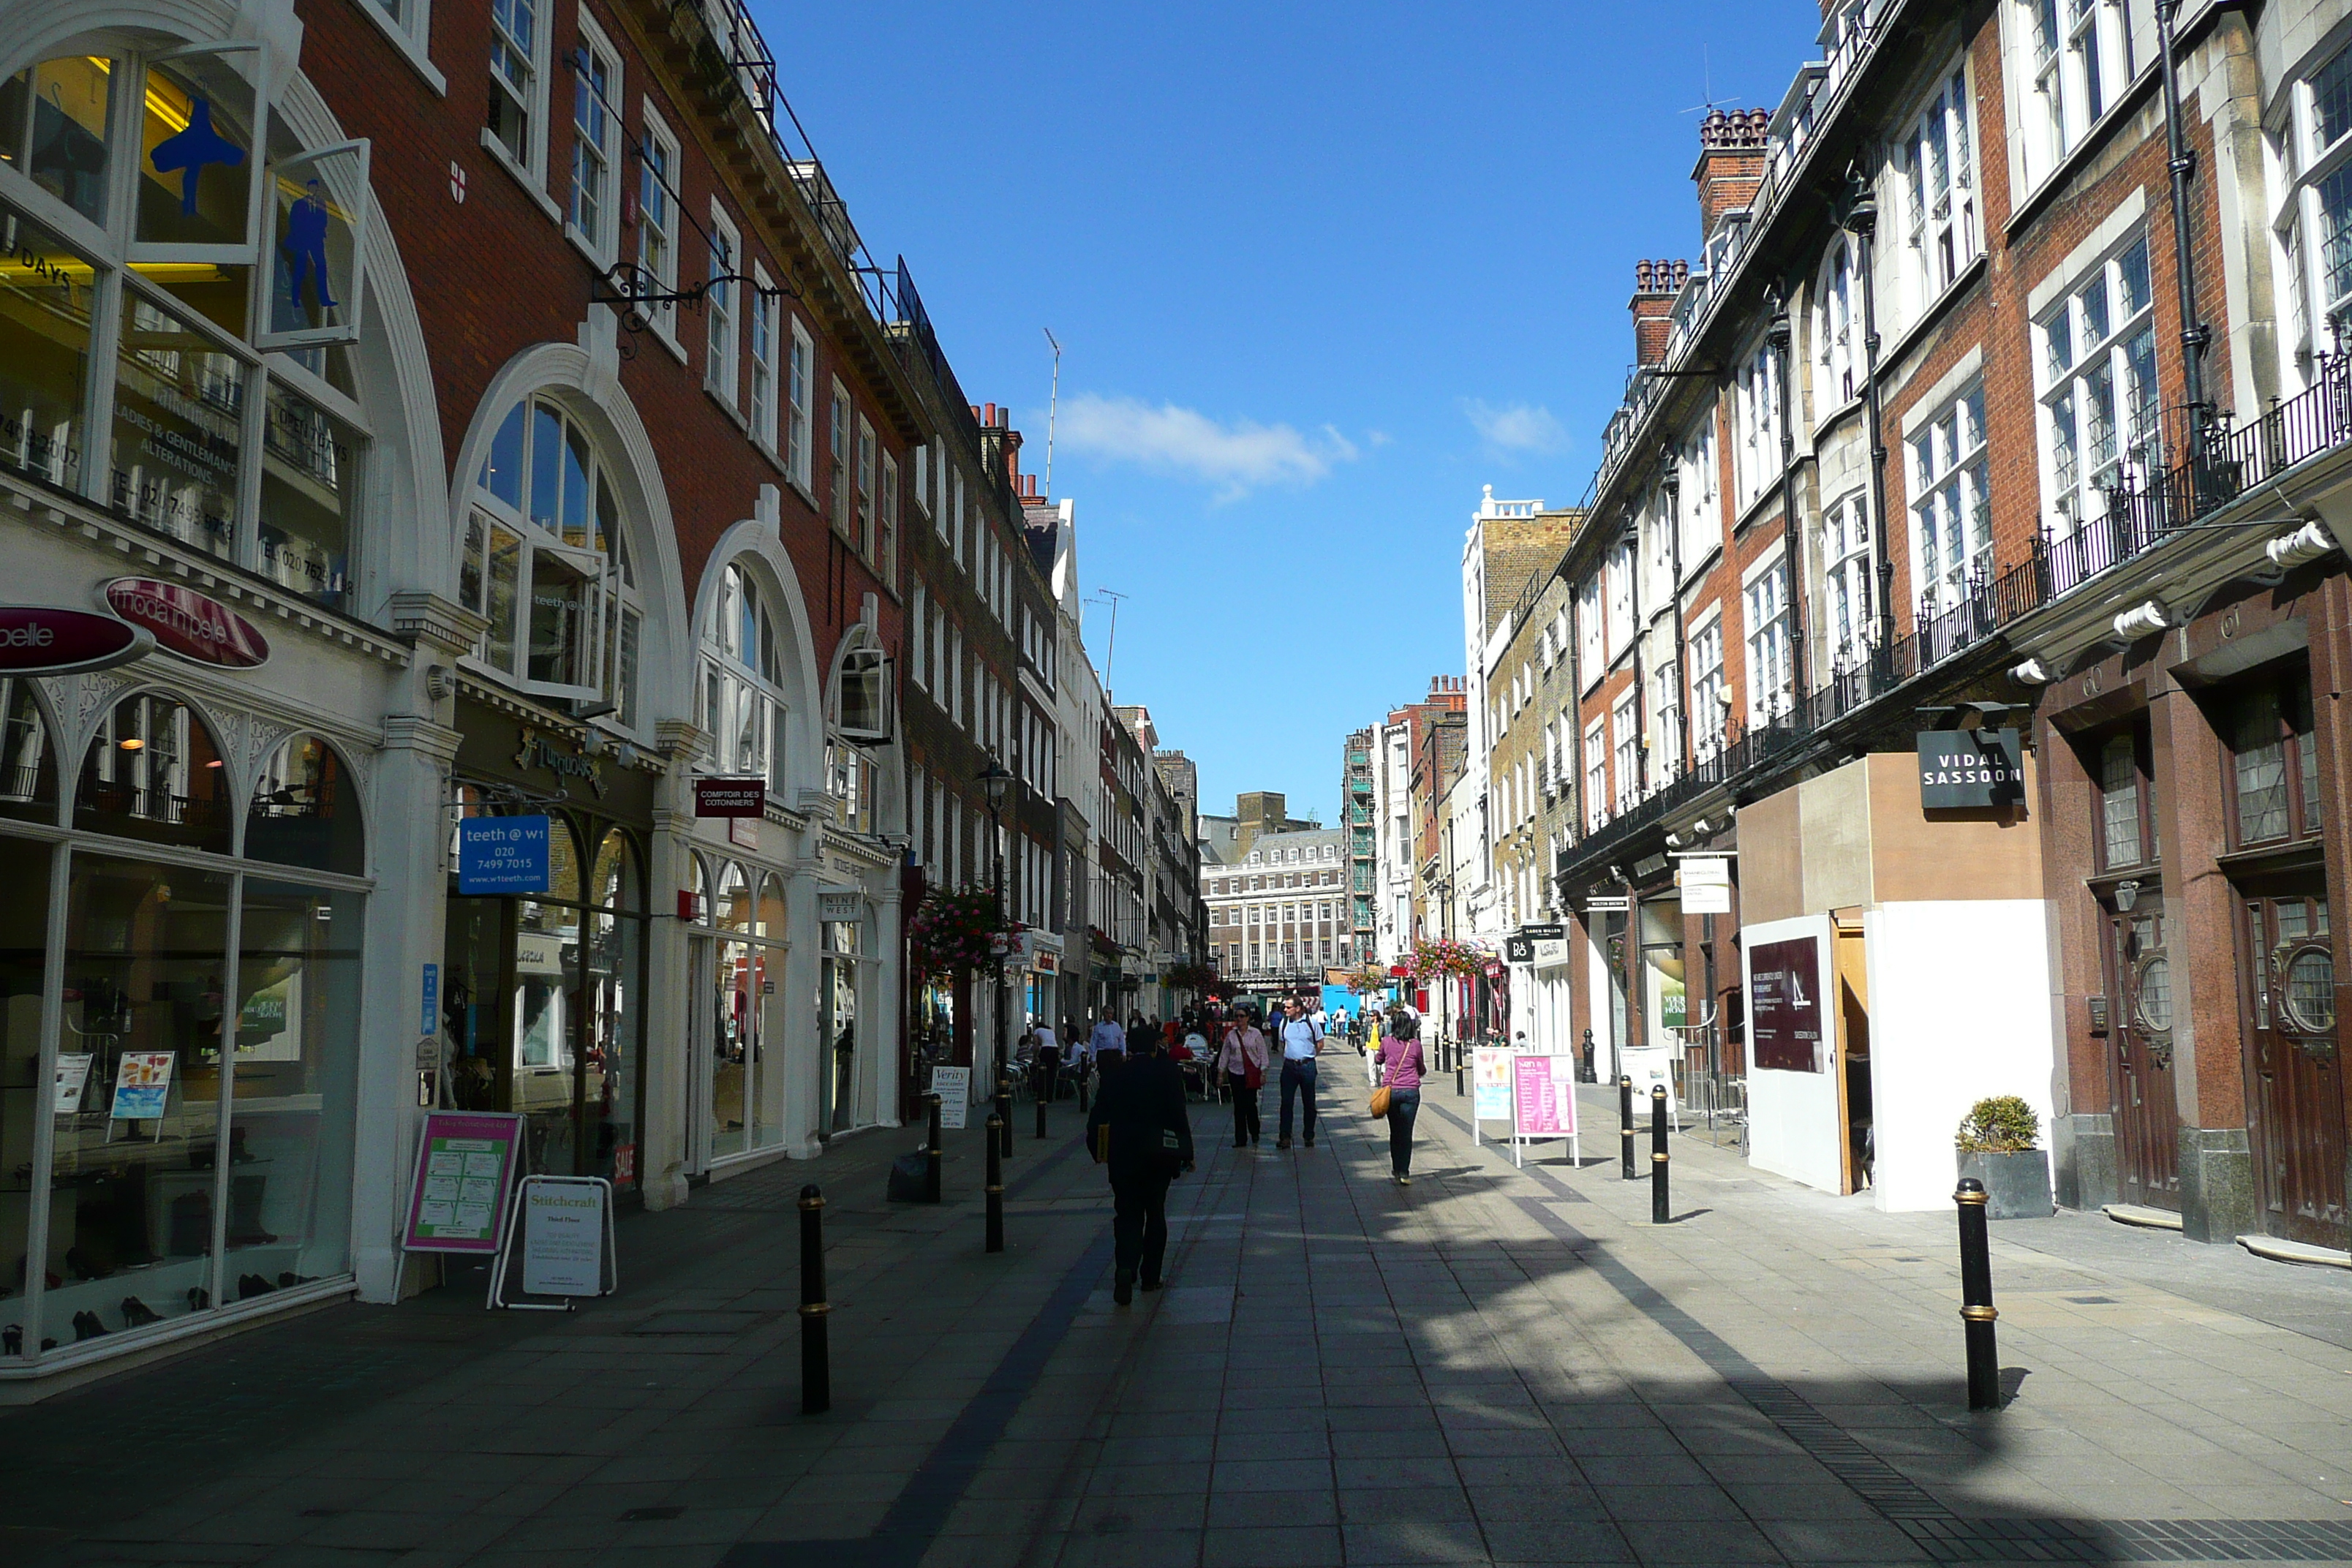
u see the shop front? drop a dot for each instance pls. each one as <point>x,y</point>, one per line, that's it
<point>544,994</point>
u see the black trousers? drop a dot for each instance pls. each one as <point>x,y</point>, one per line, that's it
<point>1139,1225</point>
<point>1244,1107</point>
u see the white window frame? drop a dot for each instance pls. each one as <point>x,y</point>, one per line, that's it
<point>1771,681</point>
<point>1597,809</point>
<point>1951,507</point>
<point>1936,163</point>
<point>1835,337</point>
<point>596,173</point>
<point>530,99</point>
<point>1698,521</point>
<point>1848,625</point>
<point>2076,63</point>
<point>722,340</point>
<point>866,496</point>
<point>2077,369</point>
<point>658,222</point>
<point>800,385</point>
<point>918,619</point>
<point>1703,650</point>
<point>1625,752</point>
<point>738,692</point>
<point>841,449</point>
<point>887,516</point>
<point>1756,400</point>
<point>2311,218</point>
<point>765,304</point>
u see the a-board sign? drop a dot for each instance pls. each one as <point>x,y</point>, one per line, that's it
<point>72,1081</point>
<point>1543,1096</point>
<point>731,797</point>
<point>464,1162</point>
<point>1648,1066</point>
<point>953,1085</point>
<point>502,855</point>
<point>562,1238</point>
<point>143,1085</point>
<point>1490,1084</point>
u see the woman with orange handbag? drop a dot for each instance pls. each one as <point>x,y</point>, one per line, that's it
<point>1399,1096</point>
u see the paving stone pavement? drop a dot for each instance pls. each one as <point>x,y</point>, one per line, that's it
<point>1491,1366</point>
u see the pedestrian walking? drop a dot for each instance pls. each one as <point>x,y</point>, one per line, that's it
<point>1108,1043</point>
<point>1301,1043</point>
<point>1139,1130</point>
<point>1400,1063</point>
<point>1241,1064</point>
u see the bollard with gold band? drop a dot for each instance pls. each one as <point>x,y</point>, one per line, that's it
<point>1659,1208</point>
<point>1977,1313</point>
<point>816,1367</point>
<point>1625,1116</point>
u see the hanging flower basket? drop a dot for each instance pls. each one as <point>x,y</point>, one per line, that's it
<point>1191,976</point>
<point>1442,956</point>
<point>959,932</point>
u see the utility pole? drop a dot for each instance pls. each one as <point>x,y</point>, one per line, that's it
<point>1053,401</point>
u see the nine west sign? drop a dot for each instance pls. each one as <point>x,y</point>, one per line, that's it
<point>1963,768</point>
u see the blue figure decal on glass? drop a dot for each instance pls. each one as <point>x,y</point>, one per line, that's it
<point>188,153</point>
<point>304,247</point>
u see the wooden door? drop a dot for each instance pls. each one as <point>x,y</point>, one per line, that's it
<point>2287,985</point>
<point>2147,1116</point>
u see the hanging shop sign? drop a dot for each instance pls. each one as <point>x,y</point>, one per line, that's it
<point>1961,769</point>
<point>731,797</point>
<point>502,855</point>
<point>457,1201</point>
<point>1706,882</point>
<point>1784,1007</point>
<point>38,639</point>
<point>1608,904</point>
<point>1518,948</point>
<point>189,623</point>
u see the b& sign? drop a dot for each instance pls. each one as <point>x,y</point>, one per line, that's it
<point>731,797</point>
<point>37,640</point>
<point>187,623</point>
<point>1963,768</point>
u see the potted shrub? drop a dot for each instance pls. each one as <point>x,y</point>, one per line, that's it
<point>1999,1144</point>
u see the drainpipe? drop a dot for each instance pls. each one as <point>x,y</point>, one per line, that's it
<point>1792,545</point>
<point>2194,334</point>
<point>1862,217</point>
<point>1631,538</point>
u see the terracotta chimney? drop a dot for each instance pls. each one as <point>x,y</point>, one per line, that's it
<point>1732,146</point>
<point>1655,286</point>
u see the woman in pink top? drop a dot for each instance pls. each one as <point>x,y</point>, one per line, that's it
<point>1241,1058</point>
<point>1400,1068</point>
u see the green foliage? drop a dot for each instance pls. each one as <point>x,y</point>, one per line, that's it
<point>2002,1124</point>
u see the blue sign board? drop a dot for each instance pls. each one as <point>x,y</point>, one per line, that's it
<point>431,1015</point>
<point>502,855</point>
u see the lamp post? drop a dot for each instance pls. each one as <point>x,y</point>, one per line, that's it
<point>996,781</point>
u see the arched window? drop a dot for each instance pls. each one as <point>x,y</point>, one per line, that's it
<point>221,276</point>
<point>742,681</point>
<point>546,559</point>
<point>305,812</point>
<point>153,771</point>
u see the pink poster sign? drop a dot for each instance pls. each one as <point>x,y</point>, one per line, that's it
<point>1543,1103</point>
<point>464,1168</point>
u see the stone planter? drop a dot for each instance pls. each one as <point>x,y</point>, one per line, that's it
<point>2016,1184</point>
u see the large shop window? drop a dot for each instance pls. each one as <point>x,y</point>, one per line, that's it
<point>225,277</point>
<point>202,1080</point>
<point>543,1002</point>
<point>546,558</point>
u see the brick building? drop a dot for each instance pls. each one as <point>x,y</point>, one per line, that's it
<point>1966,418</point>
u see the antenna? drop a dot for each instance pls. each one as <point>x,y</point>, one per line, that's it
<point>1110,596</point>
<point>1707,83</point>
<point>1051,398</point>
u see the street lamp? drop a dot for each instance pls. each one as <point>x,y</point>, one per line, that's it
<point>996,781</point>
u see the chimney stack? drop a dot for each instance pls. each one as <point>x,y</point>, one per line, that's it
<point>1731,147</point>
<point>1656,284</point>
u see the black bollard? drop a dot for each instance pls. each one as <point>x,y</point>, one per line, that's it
<point>1003,1121</point>
<point>1457,1070</point>
<point>995,1186</point>
<point>1659,1211</point>
<point>816,1368</point>
<point>1977,1314</point>
<point>1041,1115</point>
<point>1086,1071</point>
<point>931,1165</point>
<point>1625,1116</point>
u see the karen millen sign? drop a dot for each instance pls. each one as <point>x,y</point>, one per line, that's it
<point>1964,768</point>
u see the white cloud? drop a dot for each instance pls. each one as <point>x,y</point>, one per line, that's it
<point>1236,455</point>
<point>1515,427</point>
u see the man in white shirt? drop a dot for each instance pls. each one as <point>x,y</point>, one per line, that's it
<point>1108,1041</point>
<point>1301,1042</point>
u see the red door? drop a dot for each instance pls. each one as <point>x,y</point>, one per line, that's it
<point>2287,983</point>
<point>2147,1116</point>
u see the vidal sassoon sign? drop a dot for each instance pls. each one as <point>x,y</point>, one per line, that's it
<point>186,623</point>
<point>38,639</point>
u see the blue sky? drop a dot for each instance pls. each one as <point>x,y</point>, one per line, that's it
<point>1318,271</point>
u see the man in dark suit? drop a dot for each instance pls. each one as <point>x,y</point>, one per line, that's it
<point>1140,1130</point>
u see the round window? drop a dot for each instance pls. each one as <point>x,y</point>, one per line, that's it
<point>2311,990</point>
<point>2156,995</point>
